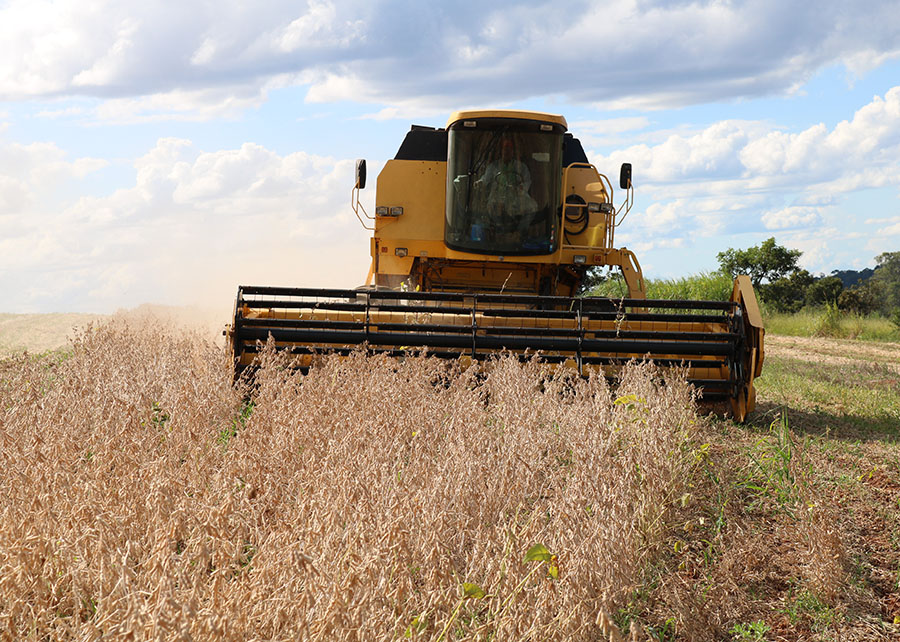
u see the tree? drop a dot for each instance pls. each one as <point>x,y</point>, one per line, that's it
<point>887,274</point>
<point>863,298</point>
<point>787,293</point>
<point>825,290</point>
<point>765,262</point>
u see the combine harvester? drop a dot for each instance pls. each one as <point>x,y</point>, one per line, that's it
<point>482,236</point>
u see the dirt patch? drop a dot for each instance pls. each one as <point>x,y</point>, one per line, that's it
<point>835,351</point>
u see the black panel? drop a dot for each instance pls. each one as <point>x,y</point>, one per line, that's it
<point>573,152</point>
<point>424,144</point>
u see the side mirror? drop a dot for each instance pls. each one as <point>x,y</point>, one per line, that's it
<point>361,173</point>
<point>625,176</point>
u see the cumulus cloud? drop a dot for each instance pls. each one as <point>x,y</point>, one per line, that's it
<point>737,177</point>
<point>886,226</point>
<point>622,53</point>
<point>36,169</point>
<point>791,217</point>
<point>191,227</point>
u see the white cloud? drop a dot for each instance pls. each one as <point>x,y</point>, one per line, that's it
<point>888,226</point>
<point>196,105</point>
<point>622,52</point>
<point>191,227</point>
<point>65,112</point>
<point>37,169</point>
<point>113,63</point>
<point>791,217</point>
<point>753,178</point>
<point>319,27</point>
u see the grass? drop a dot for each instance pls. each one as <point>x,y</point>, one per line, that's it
<point>707,286</point>
<point>810,487</point>
<point>811,322</point>
<point>864,396</point>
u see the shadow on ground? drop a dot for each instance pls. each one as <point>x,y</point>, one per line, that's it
<point>824,423</point>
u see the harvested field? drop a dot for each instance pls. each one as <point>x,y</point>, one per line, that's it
<point>842,352</point>
<point>39,332</point>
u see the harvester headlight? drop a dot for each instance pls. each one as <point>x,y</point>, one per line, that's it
<point>381,210</point>
<point>578,259</point>
<point>396,211</point>
<point>606,208</point>
<point>593,207</point>
<point>468,123</point>
<point>401,252</point>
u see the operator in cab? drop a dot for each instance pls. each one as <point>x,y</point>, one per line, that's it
<point>507,182</point>
<point>503,187</point>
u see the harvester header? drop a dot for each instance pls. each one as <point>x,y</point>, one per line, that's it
<point>482,236</point>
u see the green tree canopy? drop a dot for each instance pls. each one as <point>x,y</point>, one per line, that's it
<point>864,298</point>
<point>888,275</point>
<point>825,290</point>
<point>787,293</point>
<point>767,261</point>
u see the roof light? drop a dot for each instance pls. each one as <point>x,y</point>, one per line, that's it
<point>546,128</point>
<point>468,123</point>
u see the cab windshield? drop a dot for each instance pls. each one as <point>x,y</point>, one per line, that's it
<point>503,182</point>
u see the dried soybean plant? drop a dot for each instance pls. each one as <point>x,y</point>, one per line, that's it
<point>372,499</point>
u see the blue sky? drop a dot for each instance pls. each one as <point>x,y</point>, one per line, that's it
<point>165,153</point>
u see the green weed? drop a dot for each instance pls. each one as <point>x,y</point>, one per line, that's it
<point>752,632</point>
<point>807,606</point>
<point>774,462</point>
<point>159,417</point>
<point>829,324</point>
<point>238,423</point>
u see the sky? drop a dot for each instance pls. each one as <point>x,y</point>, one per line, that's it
<point>162,152</point>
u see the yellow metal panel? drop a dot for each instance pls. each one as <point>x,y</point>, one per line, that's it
<point>419,187</point>
<point>507,113</point>
<point>743,292</point>
<point>389,263</point>
<point>593,188</point>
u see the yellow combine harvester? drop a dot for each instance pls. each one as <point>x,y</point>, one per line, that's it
<point>482,236</point>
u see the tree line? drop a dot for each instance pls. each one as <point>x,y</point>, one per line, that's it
<point>784,286</point>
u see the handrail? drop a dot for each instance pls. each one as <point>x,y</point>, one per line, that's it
<point>355,205</point>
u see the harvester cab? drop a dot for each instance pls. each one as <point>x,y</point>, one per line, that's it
<point>497,201</point>
<point>482,236</point>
